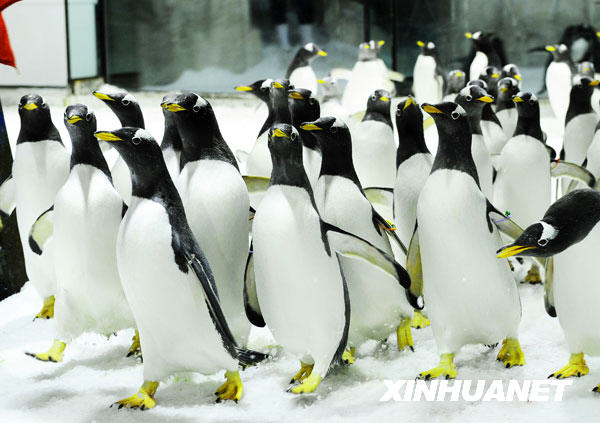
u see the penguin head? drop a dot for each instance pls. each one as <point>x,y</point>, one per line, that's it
<point>560,52</point>
<point>586,69</point>
<point>427,49</point>
<point>582,87</point>
<point>542,239</point>
<point>507,88</point>
<point>304,107</point>
<point>408,111</point>
<point>379,102</point>
<point>259,88</point>
<point>332,133</point>
<point>451,119</point>
<point>79,118</point>
<point>369,50</point>
<point>511,70</point>
<point>187,104</point>
<point>284,143</point>
<point>479,83</point>
<point>194,117</point>
<point>481,40</point>
<point>310,51</point>
<point>123,104</point>
<point>34,110</point>
<point>472,98</point>
<point>527,104</point>
<point>329,86</point>
<point>456,80</point>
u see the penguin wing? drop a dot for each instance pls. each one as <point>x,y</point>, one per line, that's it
<point>41,231</point>
<point>124,209</point>
<point>551,151</point>
<point>7,196</point>
<point>380,223</point>
<point>414,294</point>
<point>256,184</point>
<point>503,222</point>
<point>380,196</point>
<point>549,288</point>
<point>196,260</point>
<point>251,304</point>
<point>560,169</point>
<point>351,245</point>
<point>395,76</point>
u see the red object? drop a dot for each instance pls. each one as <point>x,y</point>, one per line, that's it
<point>7,56</point>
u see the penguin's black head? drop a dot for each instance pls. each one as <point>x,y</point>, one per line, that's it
<point>473,98</point>
<point>508,86</point>
<point>491,76</point>
<point>332,133</point>
<point>586,69</point>
<point>450,118</point>
<point>124,105</point>
<point>582,87</point>
<point>407,110</point>
<point>478,83</point>
<point>329,86</point>
<point>560,52</point>
<point>527,104</point>
<point>33,107</point>
<point>511,70</point>
<point>304,107</point>
<point>310,51</point>
<point>427,49</point>
<point>456,81</point>
<point>537,240</point>
<point>285,143</point>
<point>79,118</point>
<point>259,88</point>
<point>481,40</point>
<point>369,50</point>
<point>379,102</point>
<point>187,105</point>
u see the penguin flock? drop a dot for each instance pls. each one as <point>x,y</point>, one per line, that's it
<point>341,223</point>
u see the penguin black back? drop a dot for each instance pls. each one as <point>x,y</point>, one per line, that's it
<point>409,124</point>
<point>378,107</point>
<point>304,56</point>
<point>528,122</point>
<point>490,44</point>
<point>260,89</point>
<point>36,123</point>
<point>125,106</point>
<point>304,108</point>
<point>171,138</point>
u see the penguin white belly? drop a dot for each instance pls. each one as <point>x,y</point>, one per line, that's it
<point>579,134</point>
<point>87,215</point>
<point>483,163</point>
<point>259,164</point>
<point>426,84</point>
<point>122,179</point>
<point>450,97</point>
<point>523,183</point>
<point>299,287</point>
<point>577,294</point>
<point>39,169</point>
<point>215,199</point>
<point>374,154</point>
<point>176,330</point>
<point>471,296</point>
<point>480,61</point>
<point>558,84</point>
<point>333,107</point>
<point>410,179</point>
<point>508,120</point>
<point>366,77</point>
<point>378,303</point>
<point>304,77</point>
<point>596,100</point>
<point>172,160</point>
<point>494,137</point>
<point>312,164</point>
<point>593,156</point>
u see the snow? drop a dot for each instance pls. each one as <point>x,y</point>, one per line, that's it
<point>96,373</point>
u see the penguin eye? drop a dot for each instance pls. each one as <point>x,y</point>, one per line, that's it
<point>125,102</point>
<point>136,140</point>
<point>531,101</point>
<point>542,242</point>
<point>455,115</point>
<point>333,129</point>
<point>311,101</point>
<point>196,108</point>
<point>293,136</point>
<point>373,97</point>
<point>468,97</point>
<point>88,117</point>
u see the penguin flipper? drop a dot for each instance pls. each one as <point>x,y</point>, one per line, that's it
<point>7,196</point>
<point>124,209</point>
<point>41,230</point>
<point>573,171</point>
<point>380,196</point>
<point>251,304</point>
<point>549,288</point>
<point>256,184</point>
<point>351,245</point>
<point>389,229</point>
<point>395,76</point>
<point>414,294</point>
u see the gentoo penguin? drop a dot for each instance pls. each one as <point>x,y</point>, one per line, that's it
<point>300,73</point>
<point>368,74</point>
<point>305,108</point>
<point>128,111</point>
<point>378,303</point>
<point>260,89</point>
<point>428,76</point>
<point>491,75</point>
<point>472,98</point>
<point>87,215</point>
<point>569,235</point>
<point>373,146</point>
<point>511,71</point>
<point>40,168</point>
<point>455,82</point>
<point>302,294</point>
<point>330,101</point>
<point>168,281</point>
<point>588,69</point>
<point>487,52</point>
<point>506,111</point>
<point>171,144</point>
<point>493,133</point>
<point>454,242</point>
<point>558,80</point>
<point>215,198</point>
<point>523,183</point>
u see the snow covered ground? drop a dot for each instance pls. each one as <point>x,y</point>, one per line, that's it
<point>96,373</point>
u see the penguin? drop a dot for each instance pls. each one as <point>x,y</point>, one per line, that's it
<point>168,281</point>
<point>368,74</point>
<point>260,90</point>
<point>330,101</point>
<point>171,144</point>
<point>300,73</point>
<point>456,81</point>
<point>486,51</point>
<point>511,71</point>
<point>493,132</point>
<point>558,80</point>
<point>40,169</point>
<point>454,241</point>
<point>523,181</point>
<point>569,236</point>
<point>378,303</point>
<point>491,75</point>
<point>506,111</point>
<point>128,111</point>
<point>215,198</point>
<point>428,77</point>
<point>373,144</point>
<point>305,108</point>
<point>592,158</point>
<point>472,98</point>
<point>588,69</point>
<point>87,216</point>
<point>302,293</point>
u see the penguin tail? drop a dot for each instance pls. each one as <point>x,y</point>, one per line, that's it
<point>249,357</point>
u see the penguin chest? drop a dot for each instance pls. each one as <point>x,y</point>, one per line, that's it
<point>579,133</point>
<point>508,120</point>
<point>593,156</point>
<point>493,135</point>
<point>577,293</point>
<point>366,77</point>
<point>172,160</point>
<point>426,84</point>
<point>259,159</point>
<point>480,61</point>
<point>558,83</point>
<point>374,154</point>
<point>483,163</point>
<point>311,158</point>
<point>304,77</point>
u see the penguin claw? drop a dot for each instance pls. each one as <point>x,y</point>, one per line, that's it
<point>232,389</point>
<point>143,399</point>
<point>576,367</point>
<point>404,335</point>
<point>303,373</point>
<point>419,320</point>
<point>47,311</point>
<point>511,354</point>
